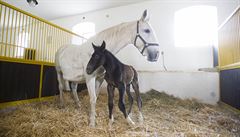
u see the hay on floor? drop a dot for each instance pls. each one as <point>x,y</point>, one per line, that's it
<point>163,116</point>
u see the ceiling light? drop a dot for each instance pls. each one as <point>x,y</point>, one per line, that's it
<point>32,3</point>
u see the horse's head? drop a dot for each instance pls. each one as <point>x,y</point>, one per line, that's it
<point>145,39</point>
<point>97,59</point>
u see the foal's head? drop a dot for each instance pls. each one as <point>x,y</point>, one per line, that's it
<point>97,59</point>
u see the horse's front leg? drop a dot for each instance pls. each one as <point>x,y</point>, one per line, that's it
<point>98,83</point>
<point>90,81</point>
<point>74,92</point>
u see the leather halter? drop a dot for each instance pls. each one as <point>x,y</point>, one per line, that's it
<point>146,44</point>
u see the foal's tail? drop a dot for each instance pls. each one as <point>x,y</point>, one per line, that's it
<point>135,86</point>
<point>135,77</point>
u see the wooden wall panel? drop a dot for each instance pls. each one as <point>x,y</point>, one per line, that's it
<point>229,41</point>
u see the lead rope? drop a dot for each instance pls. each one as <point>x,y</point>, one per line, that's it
<point>162,53</point>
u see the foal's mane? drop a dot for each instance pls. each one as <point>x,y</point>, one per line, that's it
<point>108,53</point>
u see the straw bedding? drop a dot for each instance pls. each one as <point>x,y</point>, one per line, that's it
<point>163,116</point>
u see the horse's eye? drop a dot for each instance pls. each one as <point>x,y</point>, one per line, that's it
<point>147,30</point>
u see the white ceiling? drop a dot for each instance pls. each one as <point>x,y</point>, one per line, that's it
<point>52,9</point>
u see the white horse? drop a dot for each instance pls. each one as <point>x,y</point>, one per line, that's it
<point>71,60</point>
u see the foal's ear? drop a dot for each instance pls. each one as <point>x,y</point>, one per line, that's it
<point>103,46</point>
<point>94,47</point>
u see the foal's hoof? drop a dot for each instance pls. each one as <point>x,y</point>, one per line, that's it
<point>140,118</point>
<point>92,125</point>
<point>130,122</point>
<point>110,123</point>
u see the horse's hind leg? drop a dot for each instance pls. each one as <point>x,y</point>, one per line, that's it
<point>130,99</point>
<point>139,100</point>
<point>74,92</point>
<point>67,88</point>
<point>61,87</point>
<point>121,103</point>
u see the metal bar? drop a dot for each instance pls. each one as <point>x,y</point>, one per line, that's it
<point>41,42</point>
<point>36,39</point>
<point>50,41</point>
<point>13,14</point>
<point>40,82</point>
<point>33,29</point>
<point>47,44</point>
<point>18,40</point>
<point>1,12</point>
<point>26,39</point>
<point>31,38</point>
<point>40,19</point>
<point>4,19</point>
<point>27,101</point>
<point>22,38</point>
<point>31,33</point>
<point>6,47</point>
<point>44,44</point>
<point>14,38</point>
<point>55,43</point>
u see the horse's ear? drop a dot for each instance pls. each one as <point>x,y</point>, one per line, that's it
<point>103,46</point>
<point>94,47</point>
<point>145,16</point>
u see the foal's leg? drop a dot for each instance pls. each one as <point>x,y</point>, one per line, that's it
<point>121,103</point>
<point>61,87</point>
<point>130,98</point>
<point>139,100</point>
<point>74,92</point>
<point>110,89</point>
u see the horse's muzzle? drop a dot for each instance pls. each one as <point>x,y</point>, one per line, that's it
<point>89,70</point>
<point>153,57</point>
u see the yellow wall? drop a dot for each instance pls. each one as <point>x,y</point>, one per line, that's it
<point>229,41</point>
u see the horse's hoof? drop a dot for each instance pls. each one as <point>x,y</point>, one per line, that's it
<point>61,106</point>
<point>78,105</point>
<point>130,122</point>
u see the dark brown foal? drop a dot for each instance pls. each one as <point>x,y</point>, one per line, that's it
<point>118,75</point>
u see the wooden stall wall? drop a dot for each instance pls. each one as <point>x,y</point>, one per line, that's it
<point>27,53</point>
<point>229,60</point>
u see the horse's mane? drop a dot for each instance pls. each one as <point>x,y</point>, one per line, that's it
<point>113,32</point>
<point>113,36</point>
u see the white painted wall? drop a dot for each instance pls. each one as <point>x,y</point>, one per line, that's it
<point>162,20</point>
<point>203,86</point>
<point>182,80</point>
